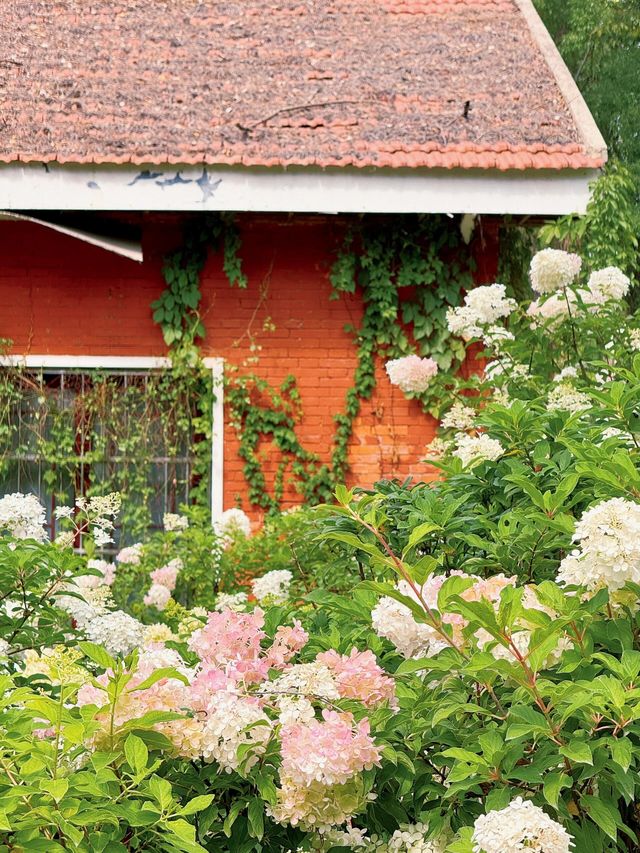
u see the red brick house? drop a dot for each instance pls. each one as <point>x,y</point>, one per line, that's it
<point>296,115</point>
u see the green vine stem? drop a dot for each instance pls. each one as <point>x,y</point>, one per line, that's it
<point>379,258</point>
<point>408,270</point>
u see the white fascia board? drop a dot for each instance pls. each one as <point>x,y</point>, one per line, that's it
<point>172,188</point>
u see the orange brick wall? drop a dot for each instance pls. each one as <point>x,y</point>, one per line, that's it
<point>58,295</point>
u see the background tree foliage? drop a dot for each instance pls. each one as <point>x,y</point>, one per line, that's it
<point>600,42</point>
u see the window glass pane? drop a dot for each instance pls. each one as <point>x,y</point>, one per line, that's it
<point>71,433</point>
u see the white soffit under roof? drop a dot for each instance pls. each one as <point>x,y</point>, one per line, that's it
<point>127,248</point>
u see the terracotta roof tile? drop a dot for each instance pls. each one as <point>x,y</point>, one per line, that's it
<point>324,83</point>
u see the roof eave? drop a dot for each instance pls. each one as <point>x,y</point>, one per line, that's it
<point>592,139</point>
<point>545,192</point>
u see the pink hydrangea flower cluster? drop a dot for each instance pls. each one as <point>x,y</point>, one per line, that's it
<point>106,577</point>
<point>163,582</point>
<point>411,374</point>
<point>232,642</point>
<point>359,676</point>
<point>132,554</point>
<point>322,763</point>
<point>287,642</point>
<point>167,575</point>
<point>228,710</point>
<point>330,751</point>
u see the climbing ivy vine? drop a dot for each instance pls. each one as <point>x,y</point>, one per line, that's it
<point>408,270</point>
<point>424,257</point>
<point>260,413</point>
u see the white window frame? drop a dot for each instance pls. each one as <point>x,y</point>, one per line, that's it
<point>126,362</point>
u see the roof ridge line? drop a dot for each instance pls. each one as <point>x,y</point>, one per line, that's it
<point>594,143</point>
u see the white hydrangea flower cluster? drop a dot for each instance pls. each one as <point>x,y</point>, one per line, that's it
<point>272,588</point>
<point>157,634</point>
<point>634,339</point>
<point>232,523</point>
<point>351,837</point>
<point>305,679</point>
<point>495,370</point>
<point>565,398</point>
<point>394,621</point>
<point>225,730</point>
<point>23,516</point>
<point>409,838</point>
<point>66,539</point>
<point>472,449</point>
<point>294,709</point>
<point>131,555</point>
<point>500,396</point>
<point>481,308</point>
<point>438,448</point>
<point>569,372</point>
<point>95,601</point>
<point>459,417</point>
<point>411,373</point>
<point>174,523</point>
<point>231,601</point>
<point>4,648</point>
<point>99,511</point>
<point>100,506</point>
<point>552,310</point>
<point>494,336</point>
<point>520,826</point>
<point>553,269</point>
<point>118,632</point>
<point>614,432</point>
<point>59,664</point>
<point>609,551</point>
<point>607,284</point>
